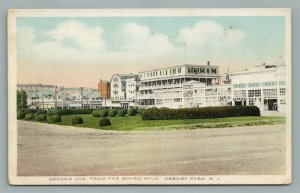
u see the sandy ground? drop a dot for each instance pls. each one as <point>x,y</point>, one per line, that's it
<point>45,149</point>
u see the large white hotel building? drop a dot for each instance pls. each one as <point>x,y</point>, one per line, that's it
<point>179,86</point>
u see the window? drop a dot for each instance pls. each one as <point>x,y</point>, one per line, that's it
<point>214,71</point>
<point>241,85</point>
<point>177,100</point>
<point>253,84</point>
<point>179,70</point>
<point>282,91</point>
<point>281,82</point>
<point>282,102</point>
<point>273,83</point>
<point>159,101</point>
<point>254,93</point>
<point>188,93</point>
<point>240,94</point>
<point>207,70</point>
<point>202,70</point>
<point>270,93</point>
<point>174,71</point>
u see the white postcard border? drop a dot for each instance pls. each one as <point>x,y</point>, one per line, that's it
<point>140,180</point>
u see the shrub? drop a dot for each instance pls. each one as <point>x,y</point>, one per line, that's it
<point>26,111</point>
<point>29,116</point>
<point>103,113</point>
<point>132,112</point>
<point>55,118</point>
<point>41,117</point>
<point>112,112</point>
<point>122,112</point>
<point>21,115</point>
<point>104,122</point>
<point>40,112</point>
<point>72,111</point>
<point>77,120</point>
<point>49,113</point>
<point>95,113</point>
<point>140,111</point>
<point>56,112</point>
<point>200,113</point>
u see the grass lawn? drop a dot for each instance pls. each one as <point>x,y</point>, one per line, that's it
<point>136,123</point>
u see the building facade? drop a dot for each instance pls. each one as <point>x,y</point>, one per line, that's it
<point>70,97</point>
<point>39,96</point>
<point>122,90</point>
<point>263,86</point>
<point>131,89</point>
<point>194,94</point>
<point>184,86</point>
<point>104,89</point>
<point>171,80</point>
<point>52,97</point>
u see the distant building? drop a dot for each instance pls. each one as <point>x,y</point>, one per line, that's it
<point>172,80</point>
<point>263,86</point>
<point>121,90</point>
<point>183,86</point>
<point>131,89</point>
<point>52,97</point>
<point>104,89</point>
<point>79,97</point>
<point>193,94</point>
<point>39,96</point>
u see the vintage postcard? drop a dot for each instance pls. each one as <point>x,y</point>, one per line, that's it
<point>149,96</point>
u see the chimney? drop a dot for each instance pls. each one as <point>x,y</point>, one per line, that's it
<point>208,63</point>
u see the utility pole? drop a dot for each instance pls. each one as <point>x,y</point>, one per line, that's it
<point>62,97</point>
<point>43,101</point>
<point>136,90</point>
<point>81,93</point>
<point>55,99</point>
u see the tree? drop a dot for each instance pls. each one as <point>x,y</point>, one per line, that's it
<point>21,100</point>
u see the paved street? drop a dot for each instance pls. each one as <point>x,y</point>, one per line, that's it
<point>45,149</point>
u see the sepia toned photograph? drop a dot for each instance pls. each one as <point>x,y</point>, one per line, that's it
<point>149,96</point>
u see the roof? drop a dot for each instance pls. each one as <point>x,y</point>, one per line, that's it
<point>182,65</point>
<point>260,68</point>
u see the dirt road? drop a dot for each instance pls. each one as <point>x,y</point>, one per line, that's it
<point>45,149</point>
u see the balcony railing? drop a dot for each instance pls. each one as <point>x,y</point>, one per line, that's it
<point>159,86</point>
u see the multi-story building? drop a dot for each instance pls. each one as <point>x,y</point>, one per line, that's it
<point>197,94</point>
<point>70,97</point>
<point>170,81</point>
<point>194,94</point>
<point>262,86</point>
<point>39,96</point>
<point>104,89</point>
<point>131,89</point>
<point>52,97</point>
<point>122,90</point>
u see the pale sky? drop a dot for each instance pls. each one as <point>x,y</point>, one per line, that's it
<point>74,51</point>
